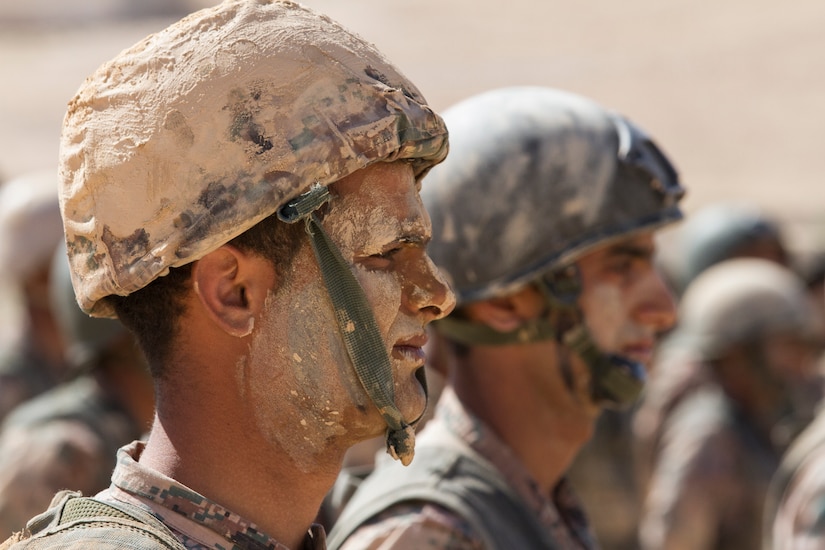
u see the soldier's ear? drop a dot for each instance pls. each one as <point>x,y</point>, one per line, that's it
<point>500,314</point>
<point>232,285</point>
<point>507,313</point>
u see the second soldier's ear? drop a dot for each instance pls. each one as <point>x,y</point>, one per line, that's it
<point>506,313</point>
<point>232,285</point>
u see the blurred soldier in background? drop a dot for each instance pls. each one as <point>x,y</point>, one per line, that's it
<point>67,437</point>
<point>811,267</point>
<point>605,471</point>
<point>738,382</point>
<point>722,231</point>
<point>30,230</point>
<point>794,516</point>
<point>543,218</point>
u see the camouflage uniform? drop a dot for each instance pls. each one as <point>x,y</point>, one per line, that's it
<point>195,521</point>
<point>604,476</point>
<point>414,524</point>
<point>65,438</point>
<point>709,471</point>
<point>723,403</point>
<point>794,517</point>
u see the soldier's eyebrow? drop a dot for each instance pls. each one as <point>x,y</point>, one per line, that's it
<point>413,239</point>
<point>416,238</point>
<point>405,239</point>
<point>632,250</point>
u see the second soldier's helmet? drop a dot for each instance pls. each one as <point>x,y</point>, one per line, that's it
<point>535,178</point>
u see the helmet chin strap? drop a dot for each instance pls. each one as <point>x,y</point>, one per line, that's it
<point>616,381</point>
<point>356,323</point>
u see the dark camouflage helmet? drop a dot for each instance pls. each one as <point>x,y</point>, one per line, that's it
<point>722,231</point>
<point>535,178</point>
<point>202,130</point>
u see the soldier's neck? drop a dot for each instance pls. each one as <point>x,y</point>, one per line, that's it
<point>281,497</point>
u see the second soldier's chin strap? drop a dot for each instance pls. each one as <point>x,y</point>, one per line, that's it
<point>356,323</point>
<point>616,381</point>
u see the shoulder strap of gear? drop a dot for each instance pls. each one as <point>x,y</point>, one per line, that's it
<point>71,511</point>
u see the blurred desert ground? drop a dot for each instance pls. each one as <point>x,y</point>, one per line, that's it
<point>734,91</point>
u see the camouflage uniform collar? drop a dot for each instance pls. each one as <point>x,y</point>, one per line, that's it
<point>561,512</point>
<point>197,521</point>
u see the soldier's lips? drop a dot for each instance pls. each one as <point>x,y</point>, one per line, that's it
<point>411,354</point>
<point>640,352</point>
<point>411,350</point>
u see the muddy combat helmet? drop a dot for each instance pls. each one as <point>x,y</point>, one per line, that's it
<point>536,178</point>
<point>200,131</point>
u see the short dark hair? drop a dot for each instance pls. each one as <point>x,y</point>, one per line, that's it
<point>152,313</point>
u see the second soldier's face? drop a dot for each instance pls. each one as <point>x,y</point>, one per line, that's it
<point>378,222</point>
<point>625,301</point>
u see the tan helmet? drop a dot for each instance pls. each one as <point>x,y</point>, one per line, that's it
<point>30,227</point>
<point>742,300</point>
<point>202,130</point>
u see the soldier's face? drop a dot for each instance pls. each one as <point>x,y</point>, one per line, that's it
<point>625,301</point>
<point>378,222</point>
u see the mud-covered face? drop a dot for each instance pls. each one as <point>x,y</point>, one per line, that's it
<point>301,379</point>
<point>625,301</point>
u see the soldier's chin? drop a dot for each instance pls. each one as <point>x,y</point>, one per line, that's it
<point>412,402</point>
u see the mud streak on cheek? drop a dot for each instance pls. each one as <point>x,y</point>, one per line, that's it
<point>604,314</point>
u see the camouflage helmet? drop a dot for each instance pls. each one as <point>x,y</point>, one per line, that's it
<point>202,130</point>
<point>85,337</point>
<point>536,177</point>
<point>742,300</point>
<point>722,231</point>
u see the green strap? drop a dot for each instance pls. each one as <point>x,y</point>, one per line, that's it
<point>613,378</point>
<point>616,381</point>
<point>356,323</point>
<point>478,334</point>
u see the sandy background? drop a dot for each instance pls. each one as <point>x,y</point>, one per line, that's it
<point>734,91</point>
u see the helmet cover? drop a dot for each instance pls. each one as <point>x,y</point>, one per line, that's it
<point>202,130</point>
<point>536,177</point>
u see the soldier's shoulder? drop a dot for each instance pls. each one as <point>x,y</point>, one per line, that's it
<point>74,522</point>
